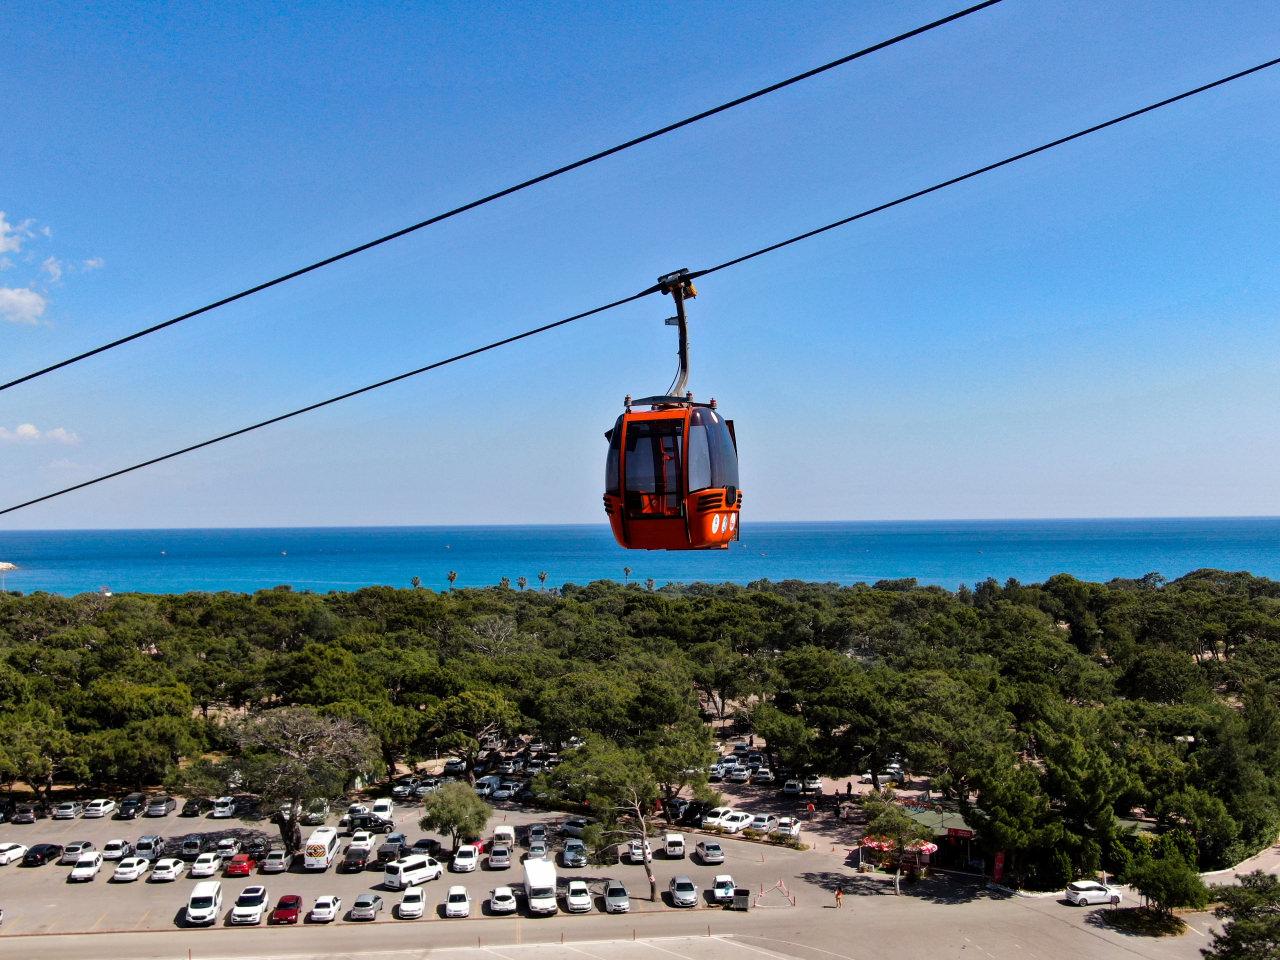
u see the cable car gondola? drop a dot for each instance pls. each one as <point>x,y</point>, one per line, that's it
<point>671,478</point>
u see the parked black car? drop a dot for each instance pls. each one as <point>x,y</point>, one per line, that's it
<point>392,850</point>
<point>693,814</point>
<point>131,807</point>
<point>371,822</point>
<point>195,807</point>
<point>426,845</point>
<point>353,861</point>
<point>41,854</point>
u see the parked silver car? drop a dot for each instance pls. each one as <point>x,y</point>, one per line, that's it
<point>684,892</point>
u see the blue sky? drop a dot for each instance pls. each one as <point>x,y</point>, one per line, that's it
<point>1090,333</point>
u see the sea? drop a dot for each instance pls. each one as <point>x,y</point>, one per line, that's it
<point>946,553</point>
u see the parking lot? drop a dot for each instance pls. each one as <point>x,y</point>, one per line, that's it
<point>41,900</point>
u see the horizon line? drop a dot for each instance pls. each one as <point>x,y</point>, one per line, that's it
<point>605,526</point>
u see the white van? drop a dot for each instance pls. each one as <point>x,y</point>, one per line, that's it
<point>674,846</point>
<point>505,836</point>
<point>411,870</point>
<point>540,885</point>
<point>320,849</point>
<point>205,903</point>
<point>224,807</point>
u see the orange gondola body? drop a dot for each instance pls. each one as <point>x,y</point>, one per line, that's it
<point>671,478</point>
<point>671,481</point>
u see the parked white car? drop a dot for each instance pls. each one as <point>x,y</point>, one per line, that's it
<point>713,817</point>
<point>412,904</point>
<point>1085,892</point>
<point>788,827</point>
<point>250,905</point>
<point>362,840</point>
<point>502,900</point>
<point>457,902</point>
<point>735,822</point>
<point>130,868</point>
<point>206,865</point>
<point>99,808</point>
<point>224,807</point>
<point>86,867</point>
<point>577,898</point>
<point>722,888</point>
<point>384,807</point>
<point>116,849</point>
<point>326,910</point>
<point>170,868</point>
<point>465,859</point>
<point>9,852</point>
<point>639,851</point>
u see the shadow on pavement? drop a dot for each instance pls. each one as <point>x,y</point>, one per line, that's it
<point>940,890</point>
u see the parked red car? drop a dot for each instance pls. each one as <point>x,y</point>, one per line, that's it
<point>241,865</point>
<point>286,910</point>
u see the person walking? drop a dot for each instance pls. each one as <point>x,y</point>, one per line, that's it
<point>848,788</point>
<point>839,897</point>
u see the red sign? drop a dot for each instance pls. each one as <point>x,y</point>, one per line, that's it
<point>959,832</point>
<point>997,873</point>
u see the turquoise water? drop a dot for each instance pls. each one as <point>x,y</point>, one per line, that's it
<point>947,553</point>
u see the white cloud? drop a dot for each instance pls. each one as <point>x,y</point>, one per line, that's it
<point>53,267</point>
<point>29,432</point>
<point>94,263</point>
<point>21,305</point>
<point>62,435</point>
<point>11,237</point>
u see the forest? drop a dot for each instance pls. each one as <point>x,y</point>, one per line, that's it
<point>1052,715</point>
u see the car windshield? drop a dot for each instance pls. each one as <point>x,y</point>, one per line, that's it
<point>684,886</point>
<point>457,897</point>
<point>248,899</point>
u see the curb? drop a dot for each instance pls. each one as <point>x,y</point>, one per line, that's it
<point>1026,894</point>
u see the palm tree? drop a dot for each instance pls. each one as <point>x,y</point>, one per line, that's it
<point>542,578</point>
<point>522,582</point>
<point>505,583</point>
<point>626,573</point>
<point>452,575</point>
<point>415,582</point>
<point>650,584</point>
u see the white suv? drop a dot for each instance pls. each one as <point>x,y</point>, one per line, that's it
<point>250,905</point>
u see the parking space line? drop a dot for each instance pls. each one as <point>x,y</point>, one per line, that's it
<point>142,921</point>
<point>738,938</point>
<point>585,953</point>
<point>759,950</point>
<point>496,953</point>
<point>650,943</point>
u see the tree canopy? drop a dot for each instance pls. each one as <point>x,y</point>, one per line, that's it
<point>1053,715</point>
